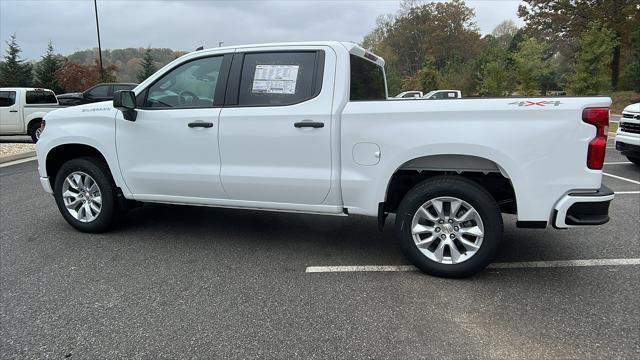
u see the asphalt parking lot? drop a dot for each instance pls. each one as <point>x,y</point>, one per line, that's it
<point>183,282</point>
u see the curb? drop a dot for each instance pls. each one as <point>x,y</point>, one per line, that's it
<point>20,156</point>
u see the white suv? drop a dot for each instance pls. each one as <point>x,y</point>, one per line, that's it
<point>628,134</point>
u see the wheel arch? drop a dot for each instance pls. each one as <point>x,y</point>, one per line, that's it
<point>486,171</point>
<point>60,154</point>
<point>32,122</point>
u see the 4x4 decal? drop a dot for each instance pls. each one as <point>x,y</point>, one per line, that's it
<point>526,103</point>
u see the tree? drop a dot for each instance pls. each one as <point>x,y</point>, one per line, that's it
<point>632,70</point>
<point>531,66</point>
<point>74,77</point>
<point>504,32</point>
<point>13,70</point>
<point>47,70</point>
<point>561,23</point>
<point>442,31</point>
<point>148,66</point>
<point>593,59</point>
<point>77,77</point>
<point>495,73</point>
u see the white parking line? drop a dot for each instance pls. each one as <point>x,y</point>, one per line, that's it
<point>626,192</point>
<point>506,265</point>
<point>15,162</point>
<point>618,163</point>
<point>621,178</point>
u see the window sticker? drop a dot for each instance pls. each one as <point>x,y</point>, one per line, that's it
<point>275,79</point>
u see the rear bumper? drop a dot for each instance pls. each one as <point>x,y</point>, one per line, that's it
<point>578,209</point>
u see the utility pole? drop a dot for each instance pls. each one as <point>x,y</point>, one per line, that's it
<point>95,6</point>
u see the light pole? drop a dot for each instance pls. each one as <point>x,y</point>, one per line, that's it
<point>95,6</point>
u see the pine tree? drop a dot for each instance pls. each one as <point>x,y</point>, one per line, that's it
<point>47,70</point>
<point>13,71</point>
<point>148,66</point>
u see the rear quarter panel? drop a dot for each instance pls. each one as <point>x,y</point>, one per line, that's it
<point>541,148</point>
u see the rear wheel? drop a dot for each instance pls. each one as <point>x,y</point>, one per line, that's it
<point>449,226</point>
<point>633,159</point>
<point>35,131</point>
<point>86,195</point>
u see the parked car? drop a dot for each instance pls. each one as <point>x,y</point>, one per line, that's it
<point>22,110</point>
<point>100,92</point>
<point>307,127</point>
<point>408,95</point>
<point>628,134</point>
<point>443,94</point>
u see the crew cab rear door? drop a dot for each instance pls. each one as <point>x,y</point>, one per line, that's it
<point>275,126</point>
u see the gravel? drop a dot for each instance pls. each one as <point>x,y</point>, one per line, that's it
<point>13,149</point>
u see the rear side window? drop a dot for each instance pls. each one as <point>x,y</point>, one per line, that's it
<point>41,97</point>
<point>7,98</point>
<point>278,78</point>
<point>367,80</point>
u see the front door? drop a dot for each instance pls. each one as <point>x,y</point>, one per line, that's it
<point>171,150</point>
<point>275,128</point>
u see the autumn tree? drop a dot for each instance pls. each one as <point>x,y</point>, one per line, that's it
<point>593,59</point>
<point>47,70</point>
<point>76,77</point>
<point>531,66</point>
<point>148,66</point>
<point>562,22</point>
<point>13,70</point>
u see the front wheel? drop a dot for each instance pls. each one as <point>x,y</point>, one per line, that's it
<point>635,160</point>
<point>449,226</point>
<point>86,195</point>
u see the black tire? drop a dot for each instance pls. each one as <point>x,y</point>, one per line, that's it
<point>463,189</point>
<point>33,129</point>
<point>635,160</point>
<point>110,210</point>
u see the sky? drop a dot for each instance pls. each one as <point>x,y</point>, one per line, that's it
<point>186,25</point>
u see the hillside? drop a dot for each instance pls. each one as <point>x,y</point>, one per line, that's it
<point>126,60</point>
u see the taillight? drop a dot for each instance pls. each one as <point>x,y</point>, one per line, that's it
<point>599,117</point>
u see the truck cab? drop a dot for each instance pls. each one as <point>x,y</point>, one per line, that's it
<point>22,110</point>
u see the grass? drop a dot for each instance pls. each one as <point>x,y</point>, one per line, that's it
<point>623,98</point>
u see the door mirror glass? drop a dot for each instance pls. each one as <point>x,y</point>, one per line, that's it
<point>124,100</point>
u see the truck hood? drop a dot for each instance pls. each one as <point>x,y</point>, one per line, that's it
<point>635,108</point>
<point>76,95</point>
<point>87,111</point>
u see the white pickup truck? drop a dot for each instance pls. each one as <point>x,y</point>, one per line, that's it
<point>307,127</point>
<point>22,110</point>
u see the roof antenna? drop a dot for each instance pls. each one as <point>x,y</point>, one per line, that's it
<point>200,48</point>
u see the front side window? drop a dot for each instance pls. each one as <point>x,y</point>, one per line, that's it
<point>367,80</point>
<point>278,78</point>
<point>40,97</point>
<point>7,98</point>
<point>190,85</point>
<point>101,91</point>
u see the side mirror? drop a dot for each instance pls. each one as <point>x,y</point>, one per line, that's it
<point>125,101</point>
